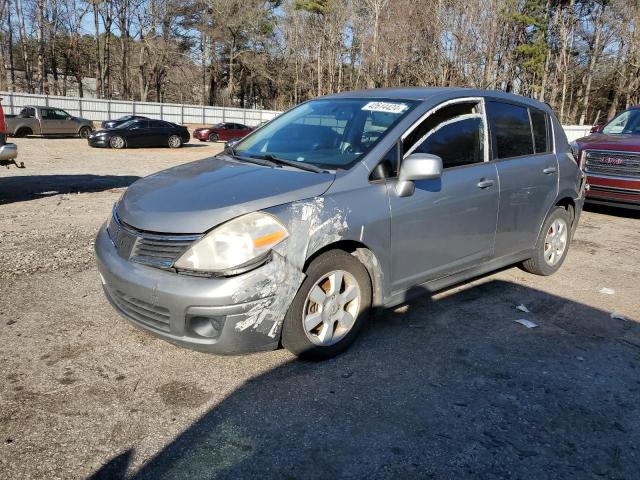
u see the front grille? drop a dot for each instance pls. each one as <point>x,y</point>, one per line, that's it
<point>150,315</point>
<point>152,249</point>
<point>622,164</point>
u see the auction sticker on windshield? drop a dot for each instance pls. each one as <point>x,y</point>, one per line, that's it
<point>387,107</point>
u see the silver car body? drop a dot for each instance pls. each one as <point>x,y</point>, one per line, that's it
<point>36,120</point>
<point>472,220</point>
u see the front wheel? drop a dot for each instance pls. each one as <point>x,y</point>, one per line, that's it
<point>552,245</point>
<point>330,307</point>
<point>175,141</point>
<point>85,132</point>
<point>117,142</point>
<point>213,137</point>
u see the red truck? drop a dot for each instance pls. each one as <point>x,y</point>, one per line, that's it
<point>610,156</point>
<point>8,151</point>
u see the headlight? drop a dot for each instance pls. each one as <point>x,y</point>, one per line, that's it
<point>234,245</point>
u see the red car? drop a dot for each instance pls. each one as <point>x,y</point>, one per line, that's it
<point>610,157</point>
<point>221,131</point>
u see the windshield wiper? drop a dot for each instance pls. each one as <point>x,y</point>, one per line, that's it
<point>257,161</point>
<point>291,163</point>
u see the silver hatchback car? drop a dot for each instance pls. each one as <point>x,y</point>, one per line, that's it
<point>341,205</point>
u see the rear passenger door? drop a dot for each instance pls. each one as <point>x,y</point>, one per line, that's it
<point>448,224</point>
<point>159,132</point>
<point>528,171</point>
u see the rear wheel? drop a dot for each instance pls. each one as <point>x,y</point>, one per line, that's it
<point>552,245</point>
<point>23,132</point>
<point>117,142</point>
<point>213,137</point>
<point>85,132</point>
<point>330,307</point>
<point>175,141</point>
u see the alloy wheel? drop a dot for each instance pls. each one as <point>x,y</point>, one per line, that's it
<point>555,242</point>
<point>174,141</point>
<point>116,142</point>
<point>331,308</point>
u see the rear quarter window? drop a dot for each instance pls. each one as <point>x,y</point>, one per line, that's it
<point>511,129</point>
<point>540,126</point>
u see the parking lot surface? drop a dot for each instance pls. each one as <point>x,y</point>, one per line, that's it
<point>448,386</point>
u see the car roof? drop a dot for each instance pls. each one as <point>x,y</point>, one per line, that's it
<point>442,93</point>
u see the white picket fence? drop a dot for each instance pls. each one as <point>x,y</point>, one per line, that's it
<point>98,110</point>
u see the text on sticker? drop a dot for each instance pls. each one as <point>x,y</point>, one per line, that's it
<point>385,107</point>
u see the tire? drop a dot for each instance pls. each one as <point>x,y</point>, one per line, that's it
<point>332,335</point>
<point>85,132</point>
<point>552,245</point>
<point>117,142</point>
<point>23,132</point>
<point>213,137</point>
<point>174,141</point>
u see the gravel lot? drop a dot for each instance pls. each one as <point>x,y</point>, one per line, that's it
<point>448,386</point>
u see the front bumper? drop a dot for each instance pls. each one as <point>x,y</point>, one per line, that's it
<point>615,191</point>
<point>8,152</point>
<point>203,136</point>
<point>98,141</point>
<point>200,313</point>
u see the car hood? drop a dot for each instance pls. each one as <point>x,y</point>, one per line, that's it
<point>197,196</point>
<point>600,141</point>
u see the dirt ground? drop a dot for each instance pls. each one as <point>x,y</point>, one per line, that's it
<point>448,386</point>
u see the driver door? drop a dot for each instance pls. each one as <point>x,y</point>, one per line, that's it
<point>448,224</point>
<point>138,135</point>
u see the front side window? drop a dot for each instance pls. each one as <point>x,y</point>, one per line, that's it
<point>512,129</point>
<point>458,141</point>
<point>48,114</point>
<point>454,132</point>
<point>626,123</point>
<point>60,114</point>
<point>330,133</point>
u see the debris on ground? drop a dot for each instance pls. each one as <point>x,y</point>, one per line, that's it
<point>607,291</point>
<point>522,308</point>
<point>526,323</point>
<point>617,316</point>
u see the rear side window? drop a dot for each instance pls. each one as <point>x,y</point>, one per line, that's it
<point>540,125</point>
<point>458,142</point>
<point>511,129</point>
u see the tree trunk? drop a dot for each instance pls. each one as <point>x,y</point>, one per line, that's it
<point>595,53</point>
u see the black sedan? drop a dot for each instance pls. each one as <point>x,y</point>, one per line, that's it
<point>119,121</point>
<point>141,133</point>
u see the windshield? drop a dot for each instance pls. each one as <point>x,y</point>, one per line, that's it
<point>330,133</point>
<point>126,117</point>
<point>626,123</point>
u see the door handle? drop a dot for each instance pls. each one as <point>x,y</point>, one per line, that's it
<point>549,170</point>
<point>485,183</point>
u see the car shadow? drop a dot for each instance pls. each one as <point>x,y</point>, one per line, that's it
<point>450,387</point>
<point>611,210</point>
<point>20,188</point>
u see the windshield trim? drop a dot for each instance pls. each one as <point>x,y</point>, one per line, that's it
<point>411,103</point>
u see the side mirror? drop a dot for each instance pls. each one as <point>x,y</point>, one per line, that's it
<point>417,166</point>
<point>596,128</point>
